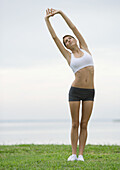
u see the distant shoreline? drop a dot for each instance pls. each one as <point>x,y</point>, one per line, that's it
<point>53,120</point>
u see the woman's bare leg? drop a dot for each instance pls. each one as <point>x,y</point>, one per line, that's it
<point>74,108</point>
<point>87,107</point>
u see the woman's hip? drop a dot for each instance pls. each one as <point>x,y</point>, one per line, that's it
<point>84,94</point>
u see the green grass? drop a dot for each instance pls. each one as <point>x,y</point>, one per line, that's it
<point>27,157</point>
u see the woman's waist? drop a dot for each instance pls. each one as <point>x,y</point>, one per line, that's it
<point>83,83</point>
<point>85,78</point>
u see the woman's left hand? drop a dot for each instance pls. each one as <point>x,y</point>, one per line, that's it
<point>51,12</point>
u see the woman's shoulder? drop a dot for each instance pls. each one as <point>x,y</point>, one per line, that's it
<point>85,49</point>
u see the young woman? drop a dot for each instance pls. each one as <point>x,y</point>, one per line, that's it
<point>82,89</point>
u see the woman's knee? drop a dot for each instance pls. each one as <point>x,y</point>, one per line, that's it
<point>83,125</point>
<point>75,125</point>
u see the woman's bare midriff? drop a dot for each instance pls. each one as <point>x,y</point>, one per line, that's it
<point>84,78</point>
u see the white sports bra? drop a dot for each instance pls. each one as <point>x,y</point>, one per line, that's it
<point>81,62</point>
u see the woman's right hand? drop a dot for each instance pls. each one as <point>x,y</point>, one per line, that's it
<point>51,12</point>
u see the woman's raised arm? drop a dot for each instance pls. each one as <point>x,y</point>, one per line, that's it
<point>49,13</point>
<point>75,31</point>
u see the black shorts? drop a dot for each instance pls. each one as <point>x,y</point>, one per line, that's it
<point>77,94</point>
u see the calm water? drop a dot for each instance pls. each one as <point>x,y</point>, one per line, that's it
<point>57,132</point>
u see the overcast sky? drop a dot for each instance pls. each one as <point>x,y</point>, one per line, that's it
<point>34,76</point>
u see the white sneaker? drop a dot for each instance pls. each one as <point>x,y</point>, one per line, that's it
<point>80,158</point>
<point>73,157</point>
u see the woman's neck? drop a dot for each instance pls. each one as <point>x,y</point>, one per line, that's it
<point>75,49</point>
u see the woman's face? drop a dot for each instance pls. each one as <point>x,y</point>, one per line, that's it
<point>69,41</point>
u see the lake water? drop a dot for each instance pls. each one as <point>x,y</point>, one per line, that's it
<point>57,132</point>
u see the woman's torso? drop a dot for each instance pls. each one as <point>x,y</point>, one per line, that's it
<point>84,78</point>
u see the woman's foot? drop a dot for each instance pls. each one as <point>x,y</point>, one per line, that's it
<point>73,157</point>
<point>80,158</point>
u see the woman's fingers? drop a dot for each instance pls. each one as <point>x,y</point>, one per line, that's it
<point>46,12</point>
<point>50,12</point>
<point>53,9</point>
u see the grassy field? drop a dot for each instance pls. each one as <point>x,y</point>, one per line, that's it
<point>45,157</point>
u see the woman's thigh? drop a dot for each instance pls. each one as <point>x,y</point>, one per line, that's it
<point>87,107</point>
<point>74,109</point>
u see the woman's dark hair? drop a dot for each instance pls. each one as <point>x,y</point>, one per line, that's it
<point>65,37</point>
